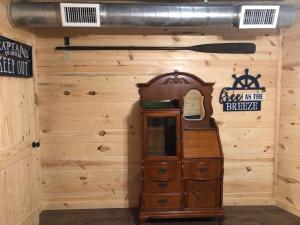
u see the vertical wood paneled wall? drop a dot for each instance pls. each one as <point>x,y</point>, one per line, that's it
<point>289,144</point>
<point>19,164</point>
<point>89,115</point>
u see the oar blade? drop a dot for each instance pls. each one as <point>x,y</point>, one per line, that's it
<point>227,48</point>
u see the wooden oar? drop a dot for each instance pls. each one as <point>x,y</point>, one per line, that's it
<point>227,48</point>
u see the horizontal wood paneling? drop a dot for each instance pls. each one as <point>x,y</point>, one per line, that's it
<point>288,149</point>
<point>289,141</point>
<point>88,202</point>
<point>82,94</point>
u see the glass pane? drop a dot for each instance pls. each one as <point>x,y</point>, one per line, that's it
<point>161,136</point>
<point>193,105</point>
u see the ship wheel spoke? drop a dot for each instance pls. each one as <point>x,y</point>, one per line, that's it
<point>252,82</point>
<point>245,82</point>
<point>242,83</point>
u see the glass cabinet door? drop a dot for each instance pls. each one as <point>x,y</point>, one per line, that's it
<point>162,133</point>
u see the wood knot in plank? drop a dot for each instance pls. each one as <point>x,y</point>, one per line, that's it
<point>83,178</point>
<point>36,99</point>
<point>282,146</point>
<point>131,56</point>
<point>220,123</point>
<point>289,180</point>
<point>289,68</point>
<point>91,93</point>
<point>175,38</point>
<point>102,148</point>
<point>290,200</point>
<point>66,93</point>
<point>102,133</point>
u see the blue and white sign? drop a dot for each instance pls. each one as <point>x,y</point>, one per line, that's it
<point>244,95</point>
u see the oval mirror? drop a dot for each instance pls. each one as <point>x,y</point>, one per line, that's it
<point>193,105</point>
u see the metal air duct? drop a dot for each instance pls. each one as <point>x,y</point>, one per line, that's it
<point>148,15</point>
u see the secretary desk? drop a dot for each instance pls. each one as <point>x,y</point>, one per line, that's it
<point>181,152</point>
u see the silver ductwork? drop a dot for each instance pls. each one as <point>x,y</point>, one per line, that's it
<point>36,14</point>
<point>144,15</point>
<point>168,15</point>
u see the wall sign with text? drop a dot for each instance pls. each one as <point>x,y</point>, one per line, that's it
<point>244,95</point>
<point>15,58</point>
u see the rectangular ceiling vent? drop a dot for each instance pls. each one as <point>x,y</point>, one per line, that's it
<point>80,15</point>
<point>258,16</point>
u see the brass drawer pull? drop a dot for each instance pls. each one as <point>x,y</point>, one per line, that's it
<point>162,170</point>
<point>162,201</point>
<point>203,170</point>
<point>162,185</point>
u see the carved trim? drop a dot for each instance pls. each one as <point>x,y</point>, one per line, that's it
<point>175,73</point>
<point>175,80</point>
<point>175,85</point>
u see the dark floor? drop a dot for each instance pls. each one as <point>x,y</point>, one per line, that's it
<point>262,215</point>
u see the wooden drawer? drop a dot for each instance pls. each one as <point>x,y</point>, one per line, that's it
<point>202,194</point>
<point>202,169</point>
<point>162,170</point>
<point>162,201</point>
<point>201,144</point>
<point>158,187</point>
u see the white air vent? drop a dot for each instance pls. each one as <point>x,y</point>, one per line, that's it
<point>258,16</point>
<point>80,15</point>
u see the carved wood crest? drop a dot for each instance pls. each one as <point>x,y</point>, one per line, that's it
<point>175,85</point>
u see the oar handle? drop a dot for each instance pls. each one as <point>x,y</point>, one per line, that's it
<point>119,48</point>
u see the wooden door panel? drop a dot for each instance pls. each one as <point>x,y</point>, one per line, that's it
<point>18,190</point>
<point>202,194</point>
<point>19,162</point>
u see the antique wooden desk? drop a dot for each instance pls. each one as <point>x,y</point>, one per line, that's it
<point>181,152</point>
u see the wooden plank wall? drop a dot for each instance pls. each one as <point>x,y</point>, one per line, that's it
<point>89,115</point>
<point>19,164</point>
<point>289,144</point>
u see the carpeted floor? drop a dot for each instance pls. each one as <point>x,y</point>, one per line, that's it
<point>246,215</point>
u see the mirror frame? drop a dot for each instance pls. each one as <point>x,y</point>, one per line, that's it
<point>198,104</point>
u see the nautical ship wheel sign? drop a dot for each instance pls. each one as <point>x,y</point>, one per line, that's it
<point>246,94</point>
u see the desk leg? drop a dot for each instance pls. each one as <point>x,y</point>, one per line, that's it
<point>221,220</point>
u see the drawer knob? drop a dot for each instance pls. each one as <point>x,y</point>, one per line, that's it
<point>203,170</point>
<point>162,185</point>
<point>162,201</point>
<point>162,170</point>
